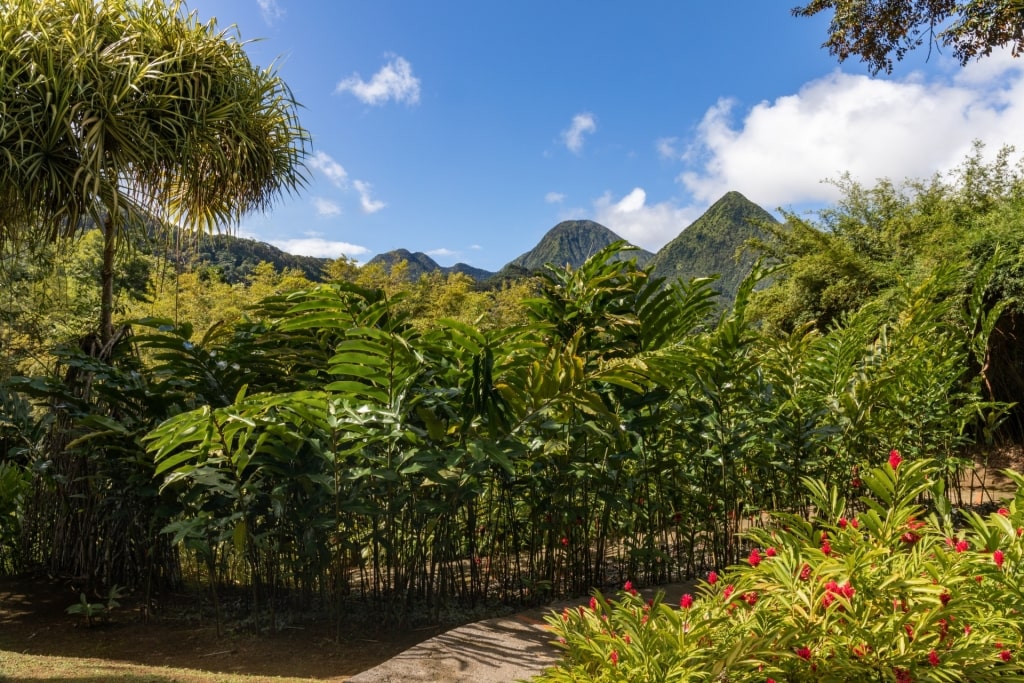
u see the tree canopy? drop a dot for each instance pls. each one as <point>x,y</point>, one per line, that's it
<point>878,31</point>
<point>122,111</point>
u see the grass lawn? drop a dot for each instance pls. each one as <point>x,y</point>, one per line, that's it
<point>19,668</point>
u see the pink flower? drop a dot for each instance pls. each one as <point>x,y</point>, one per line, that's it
<point>997,557</point>
<point>728,591</point>
<point>1004,512</point>
<point>842,522</point>
<point>962,545</point>
<point>593,603</point>
<point>629,588</point>
<point>712,578</point>
<point>855,523</point>
<point>895,458</point>
<point>826,547</point>
<point>686,602</point>
<point>1005,655</point>
<point>755,558</point>
<point>770,552</point>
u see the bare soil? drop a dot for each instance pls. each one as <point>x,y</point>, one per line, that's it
<point>33,621</point>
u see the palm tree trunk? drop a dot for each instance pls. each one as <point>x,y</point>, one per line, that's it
<point>107,281</point>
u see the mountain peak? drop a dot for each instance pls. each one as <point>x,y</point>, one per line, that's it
<point>712,243</point>
<point>572,243</point>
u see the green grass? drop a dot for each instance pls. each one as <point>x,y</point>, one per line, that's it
<point>19,668</point>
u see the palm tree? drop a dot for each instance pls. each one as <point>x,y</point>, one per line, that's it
<point>130,111</point>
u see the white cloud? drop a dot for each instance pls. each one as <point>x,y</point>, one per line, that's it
<point>554,197</point>
<point>368,203</point>
<point>581,124</point>
<point>647,226</point>
<point>779,152</point>
<point>475,247</point>
<point>270,10</point>
<point>394,81</point>
<point>321,161</point>
<point>325,207</point>
<point>317,246</point>
<point>667,148</point>
<point>442,252</point>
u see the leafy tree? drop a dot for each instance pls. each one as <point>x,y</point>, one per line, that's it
<point>879,30</point>
<point>119,111</point>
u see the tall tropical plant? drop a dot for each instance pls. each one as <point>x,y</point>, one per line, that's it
<point>124,112</point>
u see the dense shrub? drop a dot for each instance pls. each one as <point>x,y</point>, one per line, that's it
<point>885,588</point>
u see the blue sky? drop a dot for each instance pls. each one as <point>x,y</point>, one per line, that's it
<point>468,128</point>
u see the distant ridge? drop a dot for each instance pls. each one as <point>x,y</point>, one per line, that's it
<point>421,264</point>
<point>710,245</point>
<point>572,243</point>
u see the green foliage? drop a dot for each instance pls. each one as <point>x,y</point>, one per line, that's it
<point>957,232</point>
<point>333,443</point>
<point>91,611</point>
<point>879,589</point>
<point>877,32</point>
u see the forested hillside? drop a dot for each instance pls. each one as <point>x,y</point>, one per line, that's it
<point>715,244</point>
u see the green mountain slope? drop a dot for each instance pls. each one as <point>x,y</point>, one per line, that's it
<point>237,257</point>
<point>572,243</point>
<point>710,244</point>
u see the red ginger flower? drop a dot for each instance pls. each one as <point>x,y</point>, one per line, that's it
<point>1004,512</point>
<point>755,558</point>
<point>826,547</point>
<point>805,572</point>
<point>686,602</point>
<point>962,545</point>
<point>895,459</point>
<point>910,538</point>
<point>750,597</point>
<point>712,578</point>
<point>803,652</point>
<point>614,656</point>
<point>1005,655</point>
<point>933,658</point>
<point>629,588</point>
<point>902,675</point>
<point>727,593</point>
<point>997,557</point>
<point>770,552</point>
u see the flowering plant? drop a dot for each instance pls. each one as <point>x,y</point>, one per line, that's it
<point>884,590</point>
